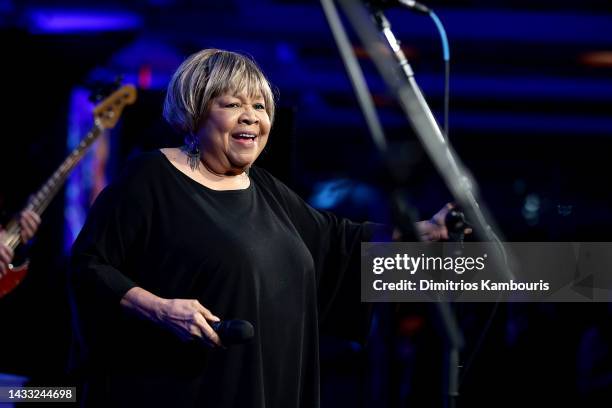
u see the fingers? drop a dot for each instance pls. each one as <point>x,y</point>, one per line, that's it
<point>190,320</point>
<point>435,234</point>
<point>206,332</point>
<point>431,231</point>
<point>206,313</point>
<point>6,256</point>
<point>198,325</point>
<point>29,222</point>
<point>443,232</point>
<point>435,228</point>
<point>204,316</point>
<point>439,218</point>
<point>32,218</point>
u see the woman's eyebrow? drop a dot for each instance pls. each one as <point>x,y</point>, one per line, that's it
<point>243,95</point>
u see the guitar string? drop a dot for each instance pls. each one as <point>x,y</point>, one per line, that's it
<point>38,204</point>
<point>48,191</point>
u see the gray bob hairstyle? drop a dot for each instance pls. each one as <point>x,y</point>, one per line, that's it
<point>205,75</point>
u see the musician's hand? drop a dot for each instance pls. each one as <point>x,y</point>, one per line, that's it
<point>188,319</point>
<point>435,229</point>
<point>29,222</point>
<point>6,255</point>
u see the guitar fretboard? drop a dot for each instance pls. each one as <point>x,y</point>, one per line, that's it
<point>40,200</point>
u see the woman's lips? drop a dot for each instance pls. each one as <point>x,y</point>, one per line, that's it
<point>244,138</point>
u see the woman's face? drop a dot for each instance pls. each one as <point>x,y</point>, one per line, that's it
<point>234,132</point>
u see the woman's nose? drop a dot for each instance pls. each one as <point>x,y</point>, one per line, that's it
<point>248,116</point>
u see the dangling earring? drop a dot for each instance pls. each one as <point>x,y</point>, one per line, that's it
<point>192,150</point>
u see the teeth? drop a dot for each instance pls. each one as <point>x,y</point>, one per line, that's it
<point>247,135</point>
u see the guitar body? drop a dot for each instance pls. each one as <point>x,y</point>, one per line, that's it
<point>13,277</point>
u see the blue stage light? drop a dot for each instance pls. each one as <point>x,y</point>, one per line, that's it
<point>62,21</point>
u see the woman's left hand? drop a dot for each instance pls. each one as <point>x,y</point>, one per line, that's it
<point>435,229</point>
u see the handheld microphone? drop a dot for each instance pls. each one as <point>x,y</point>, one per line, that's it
<point>455,224</point>
<point>411,4</point>
<point>233,331</point>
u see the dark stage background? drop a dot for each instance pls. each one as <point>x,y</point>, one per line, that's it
<point>531,117</point>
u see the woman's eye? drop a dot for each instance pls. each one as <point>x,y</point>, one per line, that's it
<point>259,106</point>
<point>232,105</point>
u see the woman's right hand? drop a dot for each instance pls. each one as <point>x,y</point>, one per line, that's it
<point>187,318</point>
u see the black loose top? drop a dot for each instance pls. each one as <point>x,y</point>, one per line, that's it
<point>260,254</point>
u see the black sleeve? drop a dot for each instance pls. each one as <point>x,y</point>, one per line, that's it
<point>335,245</point>
<point>116,222</point>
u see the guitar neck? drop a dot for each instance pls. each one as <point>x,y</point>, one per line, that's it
<point>106,115</point>
<point>40,200</point>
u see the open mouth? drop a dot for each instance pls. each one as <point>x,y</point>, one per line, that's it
<point>244,136</point>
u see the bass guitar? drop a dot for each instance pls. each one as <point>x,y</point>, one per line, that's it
<point>106,114</point>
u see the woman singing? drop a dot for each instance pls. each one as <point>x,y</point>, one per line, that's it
<point>188,236</point>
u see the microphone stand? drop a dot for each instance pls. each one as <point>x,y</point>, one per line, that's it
<point>402,83</point>
<point>455,224</point>
<point>403,212</point>
<point>456,177</point>
<point>411,99</point>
